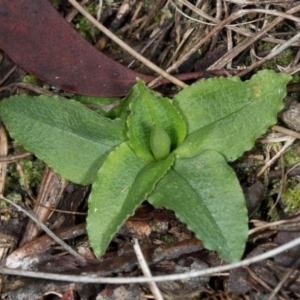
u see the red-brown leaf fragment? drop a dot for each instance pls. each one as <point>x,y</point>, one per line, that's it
<point>41,42</point>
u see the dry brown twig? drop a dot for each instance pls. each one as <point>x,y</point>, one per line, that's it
<point>146,271</point>
<point>275,157</point>
<point>126,47</point>
<point>184,276</point>
<point>241,46</point>
<point>46,229</point>
<point>273,225</point>
<point>3,152</point>
<point>12,158</point>
<point>284,279</point>
<point>276,51</point>
<point>249,41</point>
<point>236,27</point>
<point>29,86</point>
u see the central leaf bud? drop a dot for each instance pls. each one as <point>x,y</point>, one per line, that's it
<point>160,143</point>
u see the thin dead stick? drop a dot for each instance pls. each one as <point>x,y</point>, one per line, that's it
<point>146,271</point>
<point>260,281</point>
<point>244,2</point>
<point>286,131</point>
<point>131,51</point>
<point>232,27</point>
<point>12,158</point>
<point>280,152</point>
<point>72,14</point>
<point>285,278</point>
<point>184,276</point>
<point>247,42</point>
<point>46,229</point>
<point>29,86</point>
<point>14,68</point>
<point>273,225</point>
<point>230,55</point>
<point>276,51</point>
<point>216,21</point>
<point>201,42</point>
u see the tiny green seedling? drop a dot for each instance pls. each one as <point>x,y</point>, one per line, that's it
<point>172,153</point>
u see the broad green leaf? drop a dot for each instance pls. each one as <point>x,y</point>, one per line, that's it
<point>149,109</point>
<point>227,115</point>
<point>106,107</point>
<point>205,194</point>
<point>122,183</point>
<point>70,138</point>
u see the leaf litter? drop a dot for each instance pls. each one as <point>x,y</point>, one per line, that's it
<point>183,37</point>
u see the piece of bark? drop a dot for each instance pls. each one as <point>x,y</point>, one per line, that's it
<point>28,255</point>
<point>51,191</point>
<point>127,262</point>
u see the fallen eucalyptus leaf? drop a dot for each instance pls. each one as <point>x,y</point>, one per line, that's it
<point>38,39</point>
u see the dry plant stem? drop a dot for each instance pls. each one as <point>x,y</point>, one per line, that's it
<point>214,39</point>
<point>99,11</point>
<point>276,51</point>
<point>28,86</point>
<point>155,38</point>
<point>229,46</point>
<point>238,49</point>
<point>273,225</point>
<point>47,230</point>
<point>139,57</point>
<point>12,158</point>
<point>284,279</point>
<point>8,74</point>
<point>245,2</point>
<point>216,21</point>
<point>282,184</point>
<point>184,276</point>
<point>249,41</point>
<point>258,279</point>
<point>286,131</point>
<point>3,151</point>
<point>292,70</point>
<point>133,24</point>
<point>72,14</point>
<point>146,271</point>
<point>235,28</point>
<point>193,49</point>
<point>191,18</point>
<point>271,161</point>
